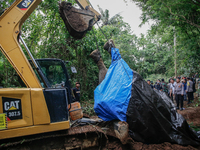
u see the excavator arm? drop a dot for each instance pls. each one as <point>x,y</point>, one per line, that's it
<point>10,25</point>
<point>84,4</point>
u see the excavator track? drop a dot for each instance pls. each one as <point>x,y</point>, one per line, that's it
<point>84,137</point>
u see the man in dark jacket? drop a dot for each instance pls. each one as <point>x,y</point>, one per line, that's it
<point>149,83</point>
<point>158,86</point>
<point>76,92</point>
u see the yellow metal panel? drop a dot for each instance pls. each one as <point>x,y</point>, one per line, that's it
<point>4,134</point>
<point>24,95</point>
<point>39,107</point>
<point>84,3</point>
<point>10,24</point>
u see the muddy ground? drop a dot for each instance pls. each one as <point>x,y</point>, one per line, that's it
<point>192,112</point>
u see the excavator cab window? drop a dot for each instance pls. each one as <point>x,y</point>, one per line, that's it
<point>55,72</point>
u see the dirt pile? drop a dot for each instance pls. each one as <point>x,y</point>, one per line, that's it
<point>132,145</point>
<point>192,115</point>
<point>191,112</point>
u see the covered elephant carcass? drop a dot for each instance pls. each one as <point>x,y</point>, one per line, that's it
<point>152,118</point>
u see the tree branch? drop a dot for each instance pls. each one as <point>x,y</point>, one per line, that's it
<point>183,17</point>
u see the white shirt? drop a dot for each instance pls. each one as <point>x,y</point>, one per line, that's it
<point>172,86</point>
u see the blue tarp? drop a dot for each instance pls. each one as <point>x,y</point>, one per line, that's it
<point>113,94</point>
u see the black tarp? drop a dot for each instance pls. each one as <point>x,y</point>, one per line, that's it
<point>153,119</point>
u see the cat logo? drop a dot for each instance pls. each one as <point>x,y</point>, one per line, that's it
<point>12,105</point>
<point>24,4</point>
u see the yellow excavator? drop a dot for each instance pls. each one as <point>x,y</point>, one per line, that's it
<point>42,107</point>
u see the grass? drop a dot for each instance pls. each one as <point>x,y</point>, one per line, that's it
<point>88,107</point>
<point>196,128</point>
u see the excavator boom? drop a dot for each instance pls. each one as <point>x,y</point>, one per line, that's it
<point>10,24</point>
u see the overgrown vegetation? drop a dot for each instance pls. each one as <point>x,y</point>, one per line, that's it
<point>195,128</point>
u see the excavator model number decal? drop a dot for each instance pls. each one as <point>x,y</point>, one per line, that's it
<point>12,107</point>
<point>24,4</point>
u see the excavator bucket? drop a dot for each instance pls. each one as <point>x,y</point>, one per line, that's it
<point>77,21</point>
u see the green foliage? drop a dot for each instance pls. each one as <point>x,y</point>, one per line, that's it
<point>195,128</point>
<point>183,16</point>
<point>88,107</point>
<point>155,77</point>
<point>5,4</point>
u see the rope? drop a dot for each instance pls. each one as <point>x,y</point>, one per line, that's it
<point>98,24</point>
<point>102,32</point>
<point>96,45</point>
<point>95,38</point>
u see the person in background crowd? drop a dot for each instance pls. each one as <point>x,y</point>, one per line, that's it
<point>185,87</point>
<point>158,85</point>
<point>178,92</point>
<point>172,85</point>
<point>164,86</point>
<point>170,79</point>
<point>149,82</point>
<point>194,89</point>
<point>152,83</point>
<point>197,77</point>
<point>168,87</point>
<point>189,89</point>
<point>198,87</point>
<point>76,91</point>
<point>174,79</point>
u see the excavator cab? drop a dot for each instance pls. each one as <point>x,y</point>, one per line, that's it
<point>56,74</point>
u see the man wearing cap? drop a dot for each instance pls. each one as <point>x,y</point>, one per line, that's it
<point>149,83</point>
<point>189,90</point>
<point>178,92</point>
<point>76,91</point>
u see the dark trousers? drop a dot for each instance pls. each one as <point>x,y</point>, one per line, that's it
<point>171,97</point>
<point>190,96</point>
<point>179,98</point>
